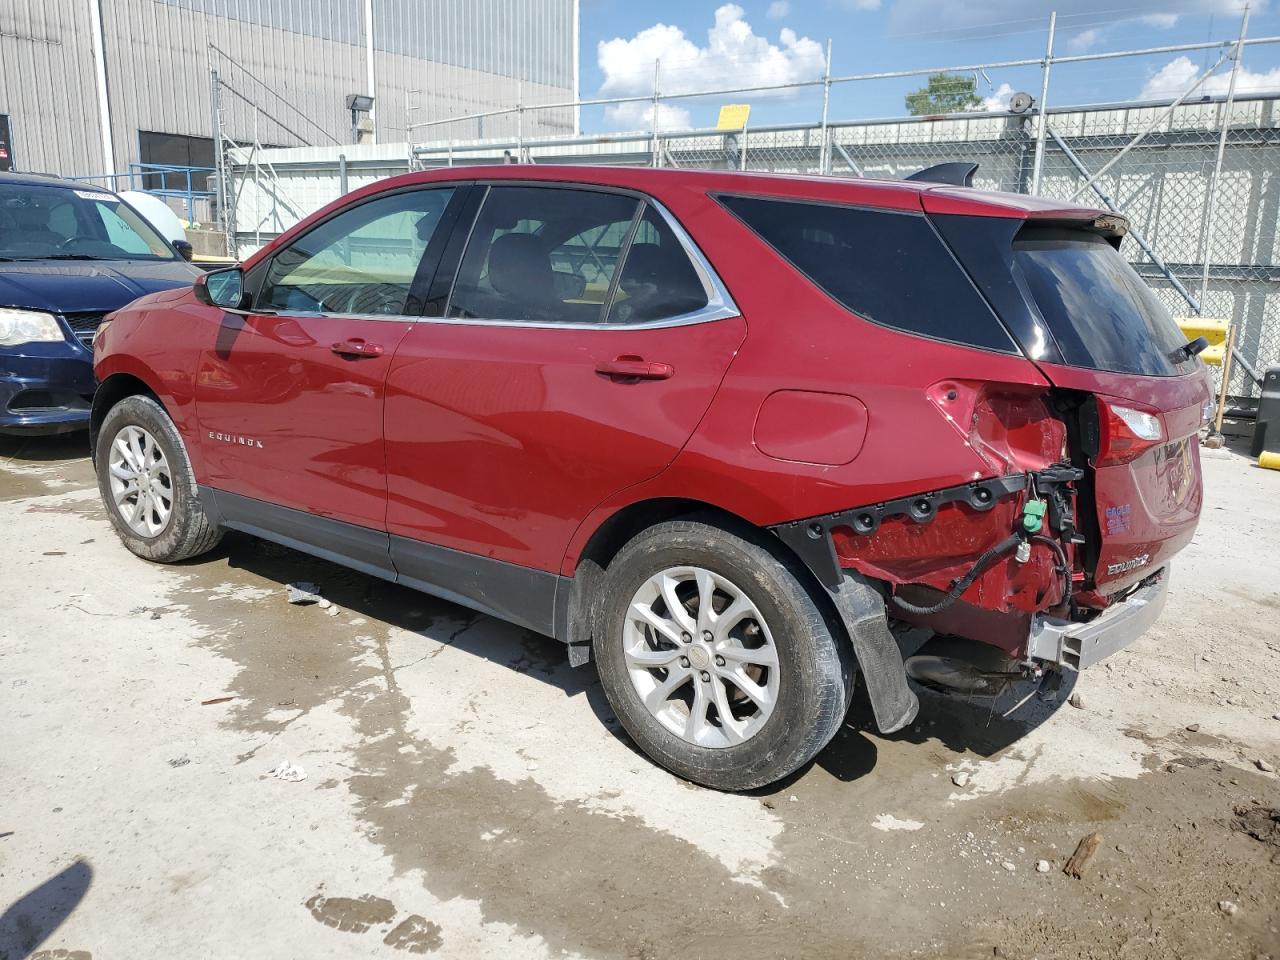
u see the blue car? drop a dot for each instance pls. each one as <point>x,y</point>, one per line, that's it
<point>69,255</point>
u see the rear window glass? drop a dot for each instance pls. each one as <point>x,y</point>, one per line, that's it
<point>1097,308</point>
<point>888,267</point>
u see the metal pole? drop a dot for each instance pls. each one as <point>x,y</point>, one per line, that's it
<point>100,75</point>
<point>368,55</point>
<point>1042,119</point>
<point>226,215</point>
<point>1110,204</point>
<point>1211,213</point>
<point>342,174</point>
<point>656,161</point>
<point>1155,122</point>
<point>519,121</point>
<point>824,153</point>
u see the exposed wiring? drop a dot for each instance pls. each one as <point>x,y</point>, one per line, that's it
<point>982,563</point>
<point>963,584</point>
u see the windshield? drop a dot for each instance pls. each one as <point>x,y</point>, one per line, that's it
<point>39,222</point>
<point>1098,309</point>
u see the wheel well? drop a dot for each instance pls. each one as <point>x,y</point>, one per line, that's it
<point>110,392</point>
<point>576,624</point>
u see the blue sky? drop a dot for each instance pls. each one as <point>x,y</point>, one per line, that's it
<point>761,41</point>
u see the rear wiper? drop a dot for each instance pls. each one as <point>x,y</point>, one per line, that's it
<point>1190,349</point>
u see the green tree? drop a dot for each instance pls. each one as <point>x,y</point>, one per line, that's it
<point>944,93</point>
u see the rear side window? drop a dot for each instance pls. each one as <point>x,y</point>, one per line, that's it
<point>888,267</point>
<point>543,255</point>
<point>1099,310</point>
<point>658,281</point>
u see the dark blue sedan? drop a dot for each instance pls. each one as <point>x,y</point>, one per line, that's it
<point>69,254</point>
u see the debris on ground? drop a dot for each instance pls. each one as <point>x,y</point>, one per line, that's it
<point>1261,823</point>
<point>332,610</point>
<point>1010,866</point>
<point>289,773</point>
<point>1085,850</point>
<point>1042,866</point>
<point>1264,765</point>
<point>1077,700</point>
<point>960,779</point>
<point>323,604</point>
<point>211,702</point>
<point>1193,728</point>
<point>302,593</point>
<point>181,761</point>
<point>1229,907</point>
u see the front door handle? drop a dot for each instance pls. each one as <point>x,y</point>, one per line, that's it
<point>635,368</point>
<point>355,347</point>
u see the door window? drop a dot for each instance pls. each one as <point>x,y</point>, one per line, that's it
<point>362,261</point>
<point>543,254</point>
<point>658,281</point>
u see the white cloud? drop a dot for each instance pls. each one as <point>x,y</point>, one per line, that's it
<point>1162,21</point>
<point>778,9</point>
<point>999,100</point>
<point>1085,39</point>
<point>1178,74</point>
<point>860,4</point>
<point>734,56</point>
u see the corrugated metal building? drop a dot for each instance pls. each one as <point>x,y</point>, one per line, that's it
<point>140,69</point>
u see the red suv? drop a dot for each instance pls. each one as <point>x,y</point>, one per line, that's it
<point>728,431</point>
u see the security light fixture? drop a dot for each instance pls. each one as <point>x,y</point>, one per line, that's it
<point>358,103</point>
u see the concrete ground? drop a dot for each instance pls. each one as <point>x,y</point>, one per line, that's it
<point>467,794</point>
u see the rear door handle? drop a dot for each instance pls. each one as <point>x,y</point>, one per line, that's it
<point>635,368</point>
<point>355,347</point>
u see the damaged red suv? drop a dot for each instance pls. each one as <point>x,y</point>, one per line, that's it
<point>728,432</point>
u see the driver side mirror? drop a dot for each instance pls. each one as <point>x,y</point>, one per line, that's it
<point>221,288</point>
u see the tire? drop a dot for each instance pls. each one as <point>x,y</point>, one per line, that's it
<point>768,738</point>
<point>185,531</point>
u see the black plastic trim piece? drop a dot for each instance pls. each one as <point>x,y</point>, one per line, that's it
<point>811,538</point>
<point>349,544</point>
<point>957,173</point>
<point>508,591</point>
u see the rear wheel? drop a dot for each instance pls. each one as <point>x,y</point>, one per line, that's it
<point>716,659</point>
<point>147,484</point>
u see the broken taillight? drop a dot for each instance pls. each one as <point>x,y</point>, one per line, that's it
<point>1128,431</point>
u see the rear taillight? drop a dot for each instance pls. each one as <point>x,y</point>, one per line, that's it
<point>1128,431</point>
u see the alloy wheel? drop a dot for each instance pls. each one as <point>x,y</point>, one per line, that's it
<point>141,482</point>
<point>701,657</point>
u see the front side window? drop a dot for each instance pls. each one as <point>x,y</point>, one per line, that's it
<point>362,261</point>
<point>542,255</point>
<point>886,266</point>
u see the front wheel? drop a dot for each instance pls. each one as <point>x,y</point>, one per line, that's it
<point>718,662</point>
<point>148,486</point>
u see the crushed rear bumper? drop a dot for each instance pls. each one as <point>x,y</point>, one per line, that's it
<point>1075,646</point>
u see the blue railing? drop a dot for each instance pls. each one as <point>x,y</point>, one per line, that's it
<point>174,182</point>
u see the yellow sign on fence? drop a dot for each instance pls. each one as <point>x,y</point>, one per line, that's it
<point>733,116</point>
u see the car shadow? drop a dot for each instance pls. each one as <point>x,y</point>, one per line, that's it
<point>960,723</point>
<point>31,919</point>
<point>45,449</point>
<point>461,628</point>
